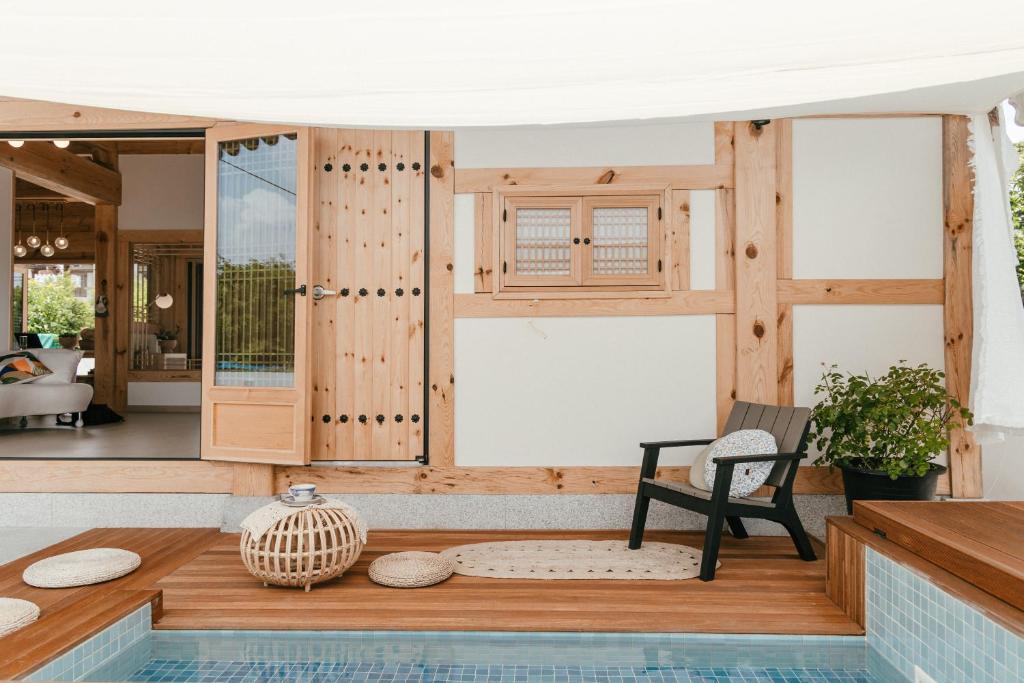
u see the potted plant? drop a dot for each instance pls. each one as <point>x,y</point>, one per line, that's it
<point>68,339</point>
<point>168,340</point>
<point>884,432</point>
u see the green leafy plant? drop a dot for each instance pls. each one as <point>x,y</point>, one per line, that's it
<point>896,423</point>
<point>1017,211</point>
<point>53,308</point>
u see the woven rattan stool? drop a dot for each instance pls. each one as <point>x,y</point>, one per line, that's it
<point>315,544</point>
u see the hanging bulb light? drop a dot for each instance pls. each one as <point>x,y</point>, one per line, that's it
<point>20,249</point>
<point>47,249</point>
<point>62,241</point>
<point>33,240</point>
<point>15,143</point>
<point>63,144</point>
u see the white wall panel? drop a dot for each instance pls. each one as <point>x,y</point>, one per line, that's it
<point>702,239</point>
<point>164,393</point>
<point>626,145</point>
<point>867,198</point>
<point>862,339</point>
<point>465,225</point>
<point>581,391</point>
<point>161,192</point>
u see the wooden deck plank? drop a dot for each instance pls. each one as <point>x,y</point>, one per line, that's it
<point>215,592</point>
<point>71,615</point>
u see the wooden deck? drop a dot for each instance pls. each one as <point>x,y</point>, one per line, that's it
<point>195,580</point>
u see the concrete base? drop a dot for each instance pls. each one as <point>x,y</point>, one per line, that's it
<point>382,511</point>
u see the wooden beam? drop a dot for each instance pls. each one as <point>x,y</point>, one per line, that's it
<point>483,234</point>
<point>725,281</point>
<point>161,146</point>
<point>958,312</point>
<point>441,421</point>
<point>784,253</point>
<point>36,115</point>
<point>693,302</point>
<point>57,169</point>
<point>705,177</point>
<point>105,239</point>
<point>678,238</point>
<point>115,476</point>
<point>872,292</point>
<point>756,264</point>
<point>253,479</point>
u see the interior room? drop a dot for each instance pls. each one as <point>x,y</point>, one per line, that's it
<point>108,297</point>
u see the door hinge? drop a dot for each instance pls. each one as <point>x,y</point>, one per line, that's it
<point>659,213</point>
<point>659,265</point>
<point>504,215</point>
<point>504,266</point>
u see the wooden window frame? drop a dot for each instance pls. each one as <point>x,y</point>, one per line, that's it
<point>581,284</point>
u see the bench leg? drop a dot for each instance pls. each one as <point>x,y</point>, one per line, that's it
<point>709,554</point>
<point>737,528</point>
<point>636,534</point>
<point>799,536</point>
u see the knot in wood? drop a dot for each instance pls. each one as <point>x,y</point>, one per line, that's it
<point>758,329</point>
<point>751,250</point>
<point>437,171</point>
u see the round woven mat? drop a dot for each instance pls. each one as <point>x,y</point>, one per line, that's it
<point>411,569</point>
<point>575,560</point>
<point>15,614</point>
<point>81,568</point>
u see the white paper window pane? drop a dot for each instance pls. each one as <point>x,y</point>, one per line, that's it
<point>620,240</point>
<point>542,241</point>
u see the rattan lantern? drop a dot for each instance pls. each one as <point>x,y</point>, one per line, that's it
<point>315,544</point>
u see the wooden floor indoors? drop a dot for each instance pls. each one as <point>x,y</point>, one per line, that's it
<point>195,580</point>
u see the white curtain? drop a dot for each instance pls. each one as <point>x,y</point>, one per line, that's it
<point>997,379</point>
<point>478,62</point>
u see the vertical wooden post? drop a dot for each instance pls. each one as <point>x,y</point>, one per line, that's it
<point>252,479</point>
<point>958,311</point>
<point>756,264</point>
<point>441,440</point>
<point>725,323</point>
<point>104,378</point>
<point>784,252</point>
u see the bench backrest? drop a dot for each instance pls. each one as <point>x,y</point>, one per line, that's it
<point>789,425</point>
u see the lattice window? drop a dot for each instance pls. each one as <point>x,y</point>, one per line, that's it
<point>603,239</point>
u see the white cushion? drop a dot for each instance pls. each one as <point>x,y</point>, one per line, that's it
<point>44,399</point>
<point>81,568</point>
<point>15,614</point>
<point>746,478</point>
<point>63,364</point>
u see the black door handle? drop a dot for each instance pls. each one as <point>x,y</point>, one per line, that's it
<point>300,290</point>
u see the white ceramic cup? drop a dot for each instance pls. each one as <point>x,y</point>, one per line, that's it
<point>302,491</point>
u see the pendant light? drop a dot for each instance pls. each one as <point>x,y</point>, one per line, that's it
<point>33,240</point>
<point>62,241</point>
<point>20,249</point>
<point>47,249</point>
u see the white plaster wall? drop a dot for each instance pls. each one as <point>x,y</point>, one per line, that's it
<point>1003,469</point>
<point>6,243</point>
<point>161,192</point>
<point>560,146</point>
<point>862,339</point>
<point>581,391</point>
<point>164,393</point>
<point>867,198</point>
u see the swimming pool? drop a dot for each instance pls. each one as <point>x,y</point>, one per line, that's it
<point>384,657</point>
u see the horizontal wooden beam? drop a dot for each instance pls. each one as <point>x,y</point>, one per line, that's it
<point>161,147</point>
<point>691,302</point>
<point>50,167</point>
<point>703,177</point>
<point>35,115</point>
<point>860,291</point>
<point>201,476</point>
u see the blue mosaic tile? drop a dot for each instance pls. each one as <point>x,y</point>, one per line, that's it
<point>910,621</point>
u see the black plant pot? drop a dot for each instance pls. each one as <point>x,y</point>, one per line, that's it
<point>862,484</point>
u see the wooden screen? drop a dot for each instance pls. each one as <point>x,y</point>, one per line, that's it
<point>368,329</point>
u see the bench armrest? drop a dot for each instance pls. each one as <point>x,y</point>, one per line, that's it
<point>675,444</point>
<point>766,457</point>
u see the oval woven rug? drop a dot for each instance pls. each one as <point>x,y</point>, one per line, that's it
<point>575,560</point>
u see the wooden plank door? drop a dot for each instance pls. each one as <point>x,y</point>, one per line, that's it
<point>368,318</point>
<point>256,305</point>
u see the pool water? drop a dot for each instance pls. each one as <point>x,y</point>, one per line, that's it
<point>385,657</point>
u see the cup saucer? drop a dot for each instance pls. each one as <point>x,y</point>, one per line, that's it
<point>290,500</point>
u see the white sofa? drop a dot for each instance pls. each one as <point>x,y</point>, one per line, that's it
<point>54,394</point>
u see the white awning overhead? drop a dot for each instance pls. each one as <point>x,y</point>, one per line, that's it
<point>472,62</point>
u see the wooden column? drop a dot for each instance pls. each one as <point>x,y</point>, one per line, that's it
<point>958,311</point>
<point>784,252</point>
<point>106,259</point>
<point>756,264</point>
<point>252,479</point>
<point>441,426</point>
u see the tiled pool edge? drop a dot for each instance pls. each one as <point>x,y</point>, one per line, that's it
<point>97,650</point>
<point>910,621</point>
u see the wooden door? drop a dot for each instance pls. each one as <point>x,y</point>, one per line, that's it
<point>368,319</point>
<point>256,305</point>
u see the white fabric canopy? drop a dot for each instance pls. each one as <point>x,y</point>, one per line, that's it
<point>997,375</point>
<point>473,62</point>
